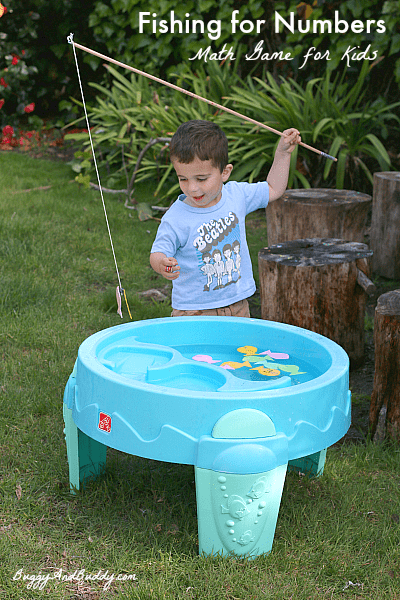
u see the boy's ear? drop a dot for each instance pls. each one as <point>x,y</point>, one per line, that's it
<point>227,172</point>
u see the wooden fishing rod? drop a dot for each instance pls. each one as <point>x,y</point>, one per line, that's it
<point>193,95</point>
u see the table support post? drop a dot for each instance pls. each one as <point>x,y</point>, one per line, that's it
<point>237,514</point>
<point>311,465</point>
<point>86,456</point>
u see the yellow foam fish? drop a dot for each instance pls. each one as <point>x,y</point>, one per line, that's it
<point>231,364</point>
<point>247,350</point>
<point>267,372</point>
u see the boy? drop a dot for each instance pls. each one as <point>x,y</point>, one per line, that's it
<point>210,216</point>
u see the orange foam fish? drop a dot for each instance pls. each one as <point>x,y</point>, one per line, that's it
<point>267,372</point>
<point>231,364</point>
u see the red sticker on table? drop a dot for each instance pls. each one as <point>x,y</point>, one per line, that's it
<point>105,422</point>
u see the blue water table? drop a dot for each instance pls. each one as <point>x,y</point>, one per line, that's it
<point>240,399</point>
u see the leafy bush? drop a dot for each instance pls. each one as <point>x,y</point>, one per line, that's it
<point>16,89</point>
<point>330,114</point>
<point>17,69</point>
<point>135,111</point>
<point>37,34</point>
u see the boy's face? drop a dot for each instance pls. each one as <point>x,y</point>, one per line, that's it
<point>201,182</point>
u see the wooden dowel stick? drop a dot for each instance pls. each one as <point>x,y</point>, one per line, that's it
<point>179,89</point>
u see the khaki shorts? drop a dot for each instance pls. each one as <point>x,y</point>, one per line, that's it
<point>238,309</point>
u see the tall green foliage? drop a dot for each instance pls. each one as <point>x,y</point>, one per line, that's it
<point>134,111</point>
<point>330,114</point>
<point>37,32</point>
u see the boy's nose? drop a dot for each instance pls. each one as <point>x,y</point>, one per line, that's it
<point>193,186</point>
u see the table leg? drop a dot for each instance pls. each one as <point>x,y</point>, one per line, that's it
<point>237,514</point>
<point>312,465</point>
<point>237,511</point>
<point>86,456</point>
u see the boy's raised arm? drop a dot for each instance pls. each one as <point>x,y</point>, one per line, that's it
<point>279,172</point>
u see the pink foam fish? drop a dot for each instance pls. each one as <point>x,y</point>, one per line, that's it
<point>119,300</point>
<point>277,355</point>
<point>205,358</point>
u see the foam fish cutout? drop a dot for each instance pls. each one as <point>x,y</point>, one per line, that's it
<point>267,364</point>
<point>255,360</point>
<point>205,358</point>
<point>247,350</point>
<point>267,372</point>
<point>119,301</point>
<point>275,355</point>
<point>231,364</point>
<point>291,369</point>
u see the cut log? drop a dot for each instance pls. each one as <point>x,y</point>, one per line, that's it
<point>384,415</point>
<point>316,213</point>
<point>313,283</point>
<point>385,226</point>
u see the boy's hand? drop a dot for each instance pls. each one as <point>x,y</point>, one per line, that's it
<point>166,266</point>
<point>170,268</point>
<point>289,140</point>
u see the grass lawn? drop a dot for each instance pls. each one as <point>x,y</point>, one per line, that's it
<point>336,537</point>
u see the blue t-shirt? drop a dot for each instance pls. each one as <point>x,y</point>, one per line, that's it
<point>210,247</point>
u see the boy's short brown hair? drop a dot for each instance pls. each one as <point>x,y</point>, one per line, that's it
<point>200,139</point>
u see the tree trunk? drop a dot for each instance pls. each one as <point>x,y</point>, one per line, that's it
<point>385,227</point>
<point>318,213</point>
<point>320,285</point>
<point>384,415</point>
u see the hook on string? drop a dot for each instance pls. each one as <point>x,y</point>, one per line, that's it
<point>120,292</point>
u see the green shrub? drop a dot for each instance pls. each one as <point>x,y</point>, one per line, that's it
<point>45,74</point>
<point>16,87</point>
<point>330,114</point>
<point>135,111</point>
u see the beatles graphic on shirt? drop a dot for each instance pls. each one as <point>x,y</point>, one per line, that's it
<point>218,251</point>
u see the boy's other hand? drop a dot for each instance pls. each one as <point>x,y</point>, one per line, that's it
<point>170,268</point>
<point>167,266</point>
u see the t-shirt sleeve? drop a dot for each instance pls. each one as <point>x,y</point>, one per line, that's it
<point>166,240</point>
<point>257,195</point>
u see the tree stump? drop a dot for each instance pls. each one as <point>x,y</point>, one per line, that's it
<point>320,285</point>
<point>318,213</point>
<point>384,415</point>
<point>385,227</point>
